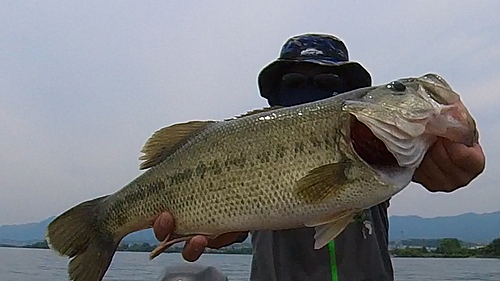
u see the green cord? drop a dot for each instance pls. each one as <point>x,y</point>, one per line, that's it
<point>333,261</point>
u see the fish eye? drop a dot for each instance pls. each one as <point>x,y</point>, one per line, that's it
<point>398,87</point>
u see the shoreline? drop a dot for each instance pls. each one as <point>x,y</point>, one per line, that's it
<point>248,251</point>
<point>144,248</point>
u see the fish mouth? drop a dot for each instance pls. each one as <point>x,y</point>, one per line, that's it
<point>370,148</point>
<point>392,139</point>
<point>395,162</point>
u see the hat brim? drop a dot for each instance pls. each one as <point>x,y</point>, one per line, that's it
<point>355,75</point>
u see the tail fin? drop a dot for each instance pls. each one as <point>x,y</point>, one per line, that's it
<point>76,234</point>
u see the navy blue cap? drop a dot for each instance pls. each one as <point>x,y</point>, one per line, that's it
<point>319,49</point>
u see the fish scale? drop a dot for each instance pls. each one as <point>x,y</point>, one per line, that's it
<point>255,187</point>
<point>212,189</point>
<point>275,168</point>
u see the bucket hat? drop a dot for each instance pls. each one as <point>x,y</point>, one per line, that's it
<point>319,49</point>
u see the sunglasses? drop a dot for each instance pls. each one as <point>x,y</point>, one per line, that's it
<point>323,81</point>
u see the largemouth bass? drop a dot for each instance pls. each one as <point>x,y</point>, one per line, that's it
<point>314,165</point>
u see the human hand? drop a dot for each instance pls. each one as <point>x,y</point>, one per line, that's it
<point>194,247</point>
<point>448,166</point>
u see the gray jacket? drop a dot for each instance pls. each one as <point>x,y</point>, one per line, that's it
<point>359,253</point>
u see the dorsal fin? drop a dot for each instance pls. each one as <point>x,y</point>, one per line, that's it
<point>166,140</point>
<point>256,111</point>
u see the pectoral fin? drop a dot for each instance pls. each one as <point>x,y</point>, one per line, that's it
<point>322,182</point>
<point>165,141</point>
<point>327,232</point>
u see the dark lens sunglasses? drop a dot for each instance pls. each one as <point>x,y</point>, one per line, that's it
<point>323,81</point>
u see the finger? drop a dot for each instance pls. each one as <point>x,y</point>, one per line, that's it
<point>194,248</point>
<point>420,175</point>
<point>163,225</point>
<point>454,175</point>
<point>470,159</point>
<point>430,175</point>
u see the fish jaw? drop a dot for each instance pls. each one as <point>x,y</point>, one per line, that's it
<point>454,123</point>
<point>385,157</point>
<point>408,123</point>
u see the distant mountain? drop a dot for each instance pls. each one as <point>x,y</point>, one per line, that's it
<point>29,232</point>
<point>476,228</point>
<point>22,234</point>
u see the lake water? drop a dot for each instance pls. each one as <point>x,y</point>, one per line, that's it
<point>38,265</point>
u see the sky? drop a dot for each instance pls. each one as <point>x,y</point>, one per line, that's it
<point>83,84</point>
